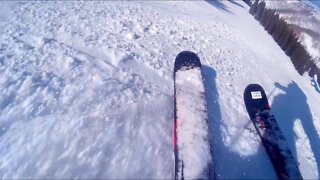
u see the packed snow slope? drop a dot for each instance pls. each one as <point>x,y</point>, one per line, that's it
<point>87,89</point>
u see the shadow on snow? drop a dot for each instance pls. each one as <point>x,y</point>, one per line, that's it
<point>292,106</point>
<point>219,5</point>
<point>229,164</point>
<point>236,3</point>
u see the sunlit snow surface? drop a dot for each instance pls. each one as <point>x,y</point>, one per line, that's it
<point>86,89</point>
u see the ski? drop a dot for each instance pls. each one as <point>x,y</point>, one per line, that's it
<point>192,150</point>
<point>258,108</point>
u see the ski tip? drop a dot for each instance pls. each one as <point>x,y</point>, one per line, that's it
<point>186,59</point>
<point>255,99</point>
<point>254,92</point>
<point>252,87</point>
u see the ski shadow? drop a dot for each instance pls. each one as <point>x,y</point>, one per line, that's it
<point>214,114</point>
<point>219,5</point>
<point>291,107</point>
<point>227,163</point>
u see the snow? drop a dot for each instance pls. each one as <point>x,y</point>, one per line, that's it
<point>192,127</point>
<point>5,12</point>
<point>307,42</point>
<point>87,89</point>
<point>314,82</point>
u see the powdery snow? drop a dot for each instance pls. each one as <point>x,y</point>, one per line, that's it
<point>87,89</point>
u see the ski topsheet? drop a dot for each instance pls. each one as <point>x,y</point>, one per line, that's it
<point>192,151</point>
<point>269,131</point>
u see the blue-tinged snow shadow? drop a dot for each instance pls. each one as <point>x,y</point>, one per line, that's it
<point>214,114</point>
<point>236,3</point>
<point>227,163</point>
<point>290,106</point>
<point>219,5</point>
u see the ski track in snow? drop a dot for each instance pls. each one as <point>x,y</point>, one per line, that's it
<point>86,89</point>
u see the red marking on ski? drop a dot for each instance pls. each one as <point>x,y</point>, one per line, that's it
<point>269,107</point>
<point>175,135</point>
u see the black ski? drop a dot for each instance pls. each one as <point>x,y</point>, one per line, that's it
<point>189,109</point>
<point>258,108</point>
